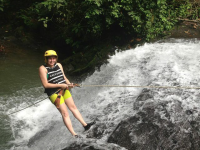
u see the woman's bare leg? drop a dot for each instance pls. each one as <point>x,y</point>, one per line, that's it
<point>72,107</point>
<point>66,119</point>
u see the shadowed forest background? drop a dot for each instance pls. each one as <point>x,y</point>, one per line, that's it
<point>85,32</point>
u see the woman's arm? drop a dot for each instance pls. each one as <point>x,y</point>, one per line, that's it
<point>43,78</point>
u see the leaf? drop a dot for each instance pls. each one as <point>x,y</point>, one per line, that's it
<point>45,24</point>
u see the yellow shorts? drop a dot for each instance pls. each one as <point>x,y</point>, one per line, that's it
<point>65,96</point>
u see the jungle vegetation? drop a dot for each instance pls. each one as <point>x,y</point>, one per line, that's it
<point>80,24</point>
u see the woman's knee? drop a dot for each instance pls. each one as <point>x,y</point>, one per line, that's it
<point>72,107</point>
<point>65,114</point>
<point>63,111</point>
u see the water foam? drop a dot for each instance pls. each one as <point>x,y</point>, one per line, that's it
<point>170,63</point>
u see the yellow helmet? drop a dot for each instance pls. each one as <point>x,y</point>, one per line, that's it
<point>49,53</point>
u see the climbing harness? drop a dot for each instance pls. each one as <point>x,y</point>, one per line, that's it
<point>95,85</point>
<point>57,101</point>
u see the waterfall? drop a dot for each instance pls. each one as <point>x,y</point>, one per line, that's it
<point>126,118</point>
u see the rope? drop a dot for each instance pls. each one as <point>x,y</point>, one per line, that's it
<point>132,86</point>
<point>138,86</point>
<point>27,107</point>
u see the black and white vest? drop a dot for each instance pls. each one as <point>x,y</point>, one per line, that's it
<point>54,76</point>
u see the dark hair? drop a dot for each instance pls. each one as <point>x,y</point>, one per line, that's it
<point>47,57</point>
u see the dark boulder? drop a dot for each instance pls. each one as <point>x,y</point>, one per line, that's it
<point>162,124</point>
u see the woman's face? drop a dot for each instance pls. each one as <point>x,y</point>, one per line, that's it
<point>51,60</point>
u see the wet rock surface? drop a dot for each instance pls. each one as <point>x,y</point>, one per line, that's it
<point>155,126</point>
<point>91,144</point>
<point>160,122</point>
<point>163,118</point>
<point>186,29</point>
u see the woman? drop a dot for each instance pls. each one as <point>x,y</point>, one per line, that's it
<point>56,86</point>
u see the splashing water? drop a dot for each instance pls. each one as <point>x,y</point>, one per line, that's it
<point>165,63</point>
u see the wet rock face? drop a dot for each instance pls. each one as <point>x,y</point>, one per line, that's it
<point>161,121</point>
<point>97,131</point>
<point>91,144</point>
<point>140,132</point>
<point>157,124</point>
<point>77,146</point>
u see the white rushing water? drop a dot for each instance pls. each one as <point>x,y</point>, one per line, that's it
<point>170,63</point>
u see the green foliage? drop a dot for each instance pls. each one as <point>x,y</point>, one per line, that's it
<point>79,24</point>
<point>80,21</point>
<point>2,4</point>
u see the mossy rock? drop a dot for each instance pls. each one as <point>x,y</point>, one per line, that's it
<point>81,62</point>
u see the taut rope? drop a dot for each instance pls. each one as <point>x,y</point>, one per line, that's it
<point>128,86</point>
<point>138,86</point>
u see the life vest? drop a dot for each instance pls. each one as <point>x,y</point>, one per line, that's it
<point>54,76</point>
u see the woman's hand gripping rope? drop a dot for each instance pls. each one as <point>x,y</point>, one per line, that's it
<point>62,91</point>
